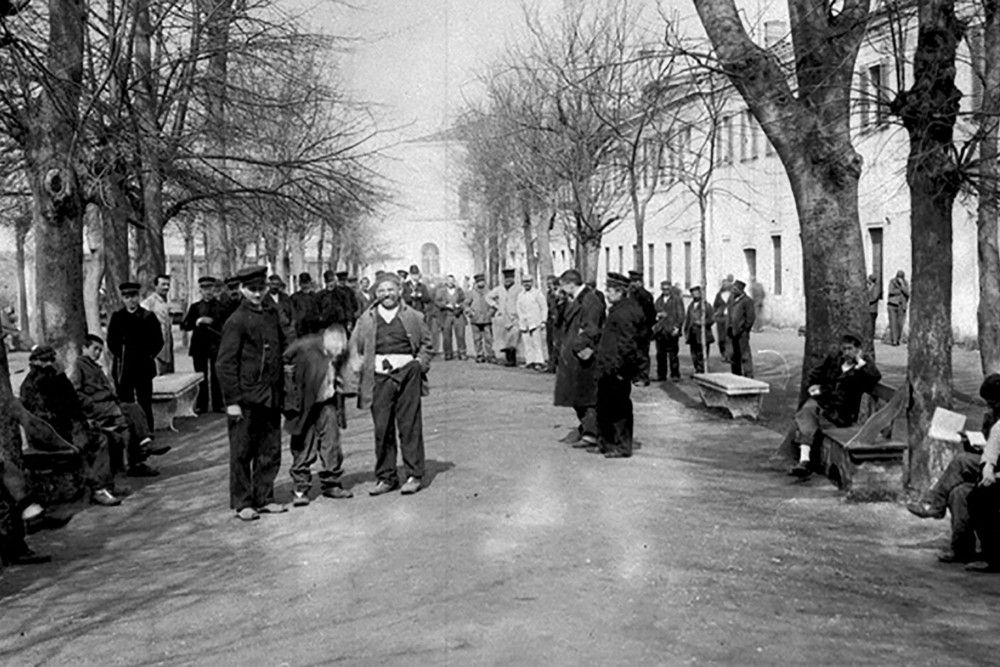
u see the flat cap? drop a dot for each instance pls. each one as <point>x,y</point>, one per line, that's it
<point>616,280</point>
<point>414,268</point>
<point>509,273</point>
<point>232,282</point>
<point>128,287</point>
<point>251,276</point>
<point>206,281</point>
<point>305,278</point>
<point>42,353</point>
<point>341,275</point>
<point>635,275</point>
<point>275,279</point>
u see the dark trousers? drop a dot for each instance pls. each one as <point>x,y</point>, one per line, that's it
<point>552,345</point>
<point>896,318</point>
<point>614,414</point>
<point>741,361</point>
<point>952,491</point>
<point>698,357</point>
<point>453,332</point>
<point>254,456</point>
<point>667,349</point>
<point>587,414</point>
<point>12,542</point>
<point>127,433</point>
<point>209,392</point>
<point>984,512</point>
<point>723,337</point>
<point>96,453</point>
<point>482,340</point>
<point>320,439</point>
<point>137,389</point>
<point>874,317</point>
<point>396,405</point>
<point>644,360</point>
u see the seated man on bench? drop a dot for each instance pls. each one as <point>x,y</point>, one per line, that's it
<point>49,395</point>
<point>126,422</point>
<point>967,471</point>
<point>835,390</point>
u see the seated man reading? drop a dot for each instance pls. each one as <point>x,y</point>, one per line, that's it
<point>968,477</point>
<point>48,394</point>
<point>126,422</point>
<point>835,390</point>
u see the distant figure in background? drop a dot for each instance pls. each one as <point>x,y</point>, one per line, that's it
<point>480,313</point>
<point>156,303</point>
<point>282,304</point>
<point>204,320</point>
<point>532,312</point>
<point>874,291</point>
<point>360,294</point>
<point>503,298</point>
<point>720,312</point>
<point>556,303</point>
<point>899,299</point>
<point>644,337</point>
<point>697,329</point>
<point>134,340</point>
<point>305,307</point>
<point>231,297</point>
<point>757,293</point>
<point>618,358</point>
<point>450,300</point>
<point>667,331</point>
<point>739,324</point>
<point>348,300</point>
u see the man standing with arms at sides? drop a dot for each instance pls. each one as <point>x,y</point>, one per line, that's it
<point>364,296</point>
<point>156,303</point>
<point>667,331</point>
<point>645,301</point>
<point>618,360</point>
<point>134,339</point>
<point>697,330</point>
<point>757,294</point>
<point>555,301</point>
<point>503,298</point>
<point>899,299</point>
<point>348,301</point>
<point>390,354</point>
<point>282,303</point>
<point>874,290</point>
<point>204,320</point>
<point>450,299</point>
<point>740,322</point>
<point>576,374</point>
<point>418,297</point>
<point>480,312</point>
<point>532,312</point>
<point>251,375</point>
<point>720,311</point>
<point>329,302</point>
<point>305,307</point>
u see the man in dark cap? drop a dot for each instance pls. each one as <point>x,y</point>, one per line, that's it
<point>667,331</point>
<point>835,390</point>
<point>278,299</point>
<point>556,302</point>
<point>740,318</point>
<point>576,373</point>
<point>480,312</point>
<point>134,339</point>
<point>348,300</point>
<point>647,306</point>
<point>503,299</point>
<point>450,302</point>
<point>697,329</point>
<point>231,296</point>
<point>619,358</point>
<point>958,488</point>
<point>330,302</point>
<point>251,374</point>
<point>204,319</point>
<point>416,295</point>
<point>304,307</point>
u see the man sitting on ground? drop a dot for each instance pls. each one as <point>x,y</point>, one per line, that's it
<point>48,394</point>
<point>126,422</point>
<point>835,390</point>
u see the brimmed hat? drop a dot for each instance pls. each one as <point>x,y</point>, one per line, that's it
<point>479,276</point>
<point>694,287</point>
<point>275,279</point>
<point>634,275</point>
<point>232,282</point>
<point>616,280</point>
<point>128,288</point>
<point>42,353</point>
<point>509,273</point>
<point>305,278</point>
<point>251,277</point>
<point>739,284</point>
<point>414,268</point>
<point>341,275</point>
<point>207,281</point>
<point>402,273</point>
<point>387,277</point>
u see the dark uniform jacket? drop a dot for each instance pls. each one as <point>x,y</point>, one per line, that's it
<point>741,316</point>
<point>331,308</point>
<point>134,340</point>
<point>49,395</point>
<point>305,310</point>
<point>556,302</point>
<point>840,395</point>
<point>646,304</point>
<point>692,324</point>
<point>348,302</point>
<point>249,363</point>
<point>576,379</point>
<point>618,352</point>
<point>204,337</point>
<point>670,315</point>
<point>286,313</point>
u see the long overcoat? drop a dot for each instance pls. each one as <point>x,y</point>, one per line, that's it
<point>576,379</point>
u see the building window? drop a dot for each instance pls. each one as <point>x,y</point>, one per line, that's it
<point>878,82</point>
<point>745,136</point>
<point>621,258</point>
<point>875,233</point>
<point>651,268</point>
<point>750,254</point>
<point>430,260</point>
<point>669,263</point>
<point>607,258</point>
<point>754,131</point>
<point>562,253</point>
<point>727,134</point>
<point>776,245</point>
<point>687,264</point>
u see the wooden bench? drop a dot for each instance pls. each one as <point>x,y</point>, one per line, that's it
<point>741,396</point>
<point>174,395</point>
<point>866,460</point>
<point>53,466</point>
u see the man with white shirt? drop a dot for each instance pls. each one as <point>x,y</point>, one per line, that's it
<point>532,311</point>
<point>156,303</point>
<point>835,390</point>
<point>390,354</point>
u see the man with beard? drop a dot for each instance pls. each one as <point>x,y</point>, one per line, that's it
<point>645,301</point>
<point>204,320</point>
<point>390,354</point>
<point>576,374</point>
<point>251,374</point>
<point>618,362</point>
<point>134,339</point>
<point>503,298</point>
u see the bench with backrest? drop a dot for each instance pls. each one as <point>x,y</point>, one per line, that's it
<point>174,395</point>
<point>54,467</point>
<point>865,460</point>
<point>741,396</point>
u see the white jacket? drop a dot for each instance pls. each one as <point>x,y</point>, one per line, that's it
<point>532,309</point>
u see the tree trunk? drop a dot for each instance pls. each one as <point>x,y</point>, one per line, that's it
<point>543,245</point>
<point>703,248</point>
<point>588,257</point>
<point>298,253</point>
<point>10,433</point>
<point>929,111</point>
<point>639,218</point>
<point>93,269</point>
<point>493,251</point>
<point>527,230</point>
<point>321,245</point>
<point>989,195</point>
<point>23,316</point>
<point>115,227</point>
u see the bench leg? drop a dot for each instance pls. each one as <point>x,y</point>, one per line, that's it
<point>163,415</point>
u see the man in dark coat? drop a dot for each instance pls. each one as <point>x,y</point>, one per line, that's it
<point>204,319</point>
<point>739,323</point>
<point>576,374</point>
<point>667,331</point>
<point>556,301</point>
<point>278,299</point>
<point>251,374</point>
<point>874,290</point>
<point>896,304</point>
<point>720,312</point>
<point>619,359</point>
<point>835,390</point>
<point>230,298</point>
<point>645,301</point>
<point>305,307</point>
<point>330,303</point>
<point>312,412</point>
<point>134,339</point>
<point>348,300</point>
<point>697,329</point>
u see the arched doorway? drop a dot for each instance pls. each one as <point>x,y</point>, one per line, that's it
<point>430,260</point>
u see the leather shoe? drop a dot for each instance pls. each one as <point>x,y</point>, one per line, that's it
<point>247,514</point>
<point>337,492</point>
<point>104,497</point>
<point>983,566</point>
<point>949,556</point>
<point>152,449</point>
<point>615,454</point>
<point>25,557</point>
<point>573,436</point>
<point>412,485</point>
<point>925,510</point>
<point>383,487</point>
<point>800,470</point>
<point>46,522</point>
<point>300,499</point>
<point>272,508</point>
<point>142,470</point>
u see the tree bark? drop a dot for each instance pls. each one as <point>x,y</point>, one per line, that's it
<point>10,433</point>
<point>23,226</point>
<point>115,228</point>
<point>93,271</point>
<point>543,244</point>
<point>989,193</point>
<point>530,248</point>
<point>929,111</point>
